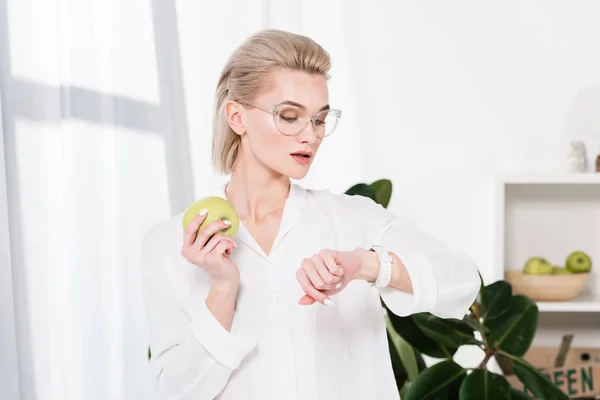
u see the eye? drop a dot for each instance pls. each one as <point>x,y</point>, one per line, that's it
<point>289,115</point>
<point>288,119</point>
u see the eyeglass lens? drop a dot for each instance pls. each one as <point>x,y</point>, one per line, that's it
<point>292,120</point>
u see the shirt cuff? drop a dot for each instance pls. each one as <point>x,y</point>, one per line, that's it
<point>424,285</point>
<point>227,347</point>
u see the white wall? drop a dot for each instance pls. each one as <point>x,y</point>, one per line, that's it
<point>452,93</point>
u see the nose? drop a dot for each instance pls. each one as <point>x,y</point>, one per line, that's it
<point>309,135</point>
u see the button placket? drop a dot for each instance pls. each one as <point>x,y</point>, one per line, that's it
<point>281,336</point>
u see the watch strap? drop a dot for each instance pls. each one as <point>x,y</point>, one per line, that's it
<point>385,267</point>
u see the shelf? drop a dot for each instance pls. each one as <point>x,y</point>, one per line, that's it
<point>583,305</point>
<point>550,215</point>
<point>585,178</point>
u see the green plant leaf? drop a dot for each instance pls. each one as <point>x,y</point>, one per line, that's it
<point>535,381</point>
<point>477,301</point>
<point>516,395</point>
<point>383,191</point>
<point>404,351</point>
<point>440,381</point>
<point>408,357</point>
<point>448,332</point>
<point>495,298</point>
<point>361,189</point>
<point>408,329</point>
<point>514,332</point>
<point>404,390</point>
<point>400,373</point>
<point>471,322</point>
<point>421,365</point>
<point>482,384</point>
<point>481,283</point>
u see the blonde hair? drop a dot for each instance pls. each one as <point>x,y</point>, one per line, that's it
<point>246,75</point>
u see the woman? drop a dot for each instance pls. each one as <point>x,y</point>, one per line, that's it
<point>289,308</point>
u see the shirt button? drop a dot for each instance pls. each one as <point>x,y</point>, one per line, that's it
<point>275,296</point>
<point>280,354</point>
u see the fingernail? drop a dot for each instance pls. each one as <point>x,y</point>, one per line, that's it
<point>339,285</point>
<point>201,213</point>
<point>328,302</point>
<point>234,245</point>
<point>227,222</point>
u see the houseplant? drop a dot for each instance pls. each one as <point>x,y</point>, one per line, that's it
<point>501,323</point>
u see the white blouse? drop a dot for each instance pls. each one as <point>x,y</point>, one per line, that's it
<point>276,348</point>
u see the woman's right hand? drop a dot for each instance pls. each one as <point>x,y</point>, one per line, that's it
<point>210,250</point>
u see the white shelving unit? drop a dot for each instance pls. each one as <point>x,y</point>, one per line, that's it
<point>551,215</point>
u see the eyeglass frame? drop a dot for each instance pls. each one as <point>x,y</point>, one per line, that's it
<point>275,111</point>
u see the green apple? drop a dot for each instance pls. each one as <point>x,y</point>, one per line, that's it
<point>557,270</point>
<point>537,266</point>
<point>578,261</point>
<point>218,209</point>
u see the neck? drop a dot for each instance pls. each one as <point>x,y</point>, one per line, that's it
<point>255,191</point>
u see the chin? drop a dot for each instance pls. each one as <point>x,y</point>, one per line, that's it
<point>296,172</point>
<point>298,175</point>
<point>292,169</point>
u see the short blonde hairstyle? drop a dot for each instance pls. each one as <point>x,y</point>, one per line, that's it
<point>245,77</point>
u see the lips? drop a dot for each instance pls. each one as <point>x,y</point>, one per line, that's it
<point>305,155</point>
<point>302,157</point>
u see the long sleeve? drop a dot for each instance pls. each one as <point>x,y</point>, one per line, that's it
<point>445,281</point>
<point>193,356</point>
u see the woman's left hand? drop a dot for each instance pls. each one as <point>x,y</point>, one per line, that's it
<point>326,274</point>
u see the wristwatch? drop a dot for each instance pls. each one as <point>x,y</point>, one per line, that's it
<point>385,266</point>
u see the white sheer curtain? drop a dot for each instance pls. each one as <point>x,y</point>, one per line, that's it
<point>9,378</point>
<point>87,159</point>
<point>107,117</point>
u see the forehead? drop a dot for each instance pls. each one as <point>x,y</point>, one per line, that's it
<point>309,90</point>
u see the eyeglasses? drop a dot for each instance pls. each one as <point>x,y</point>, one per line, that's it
<point>292,120</point>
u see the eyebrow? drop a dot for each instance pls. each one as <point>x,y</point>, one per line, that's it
<point>293,103</point>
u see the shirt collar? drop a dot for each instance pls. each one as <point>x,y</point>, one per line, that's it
<point>295,205</point>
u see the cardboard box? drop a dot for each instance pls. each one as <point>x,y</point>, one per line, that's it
<point>545,357</point>
<point>581,379</point>
<point>575,370</point>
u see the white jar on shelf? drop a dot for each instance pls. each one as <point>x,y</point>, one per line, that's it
<point>576,158</point>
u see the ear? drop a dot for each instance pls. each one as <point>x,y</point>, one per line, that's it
<point>234,117</point>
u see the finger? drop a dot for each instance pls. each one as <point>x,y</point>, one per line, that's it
<point>310,290</point>
<point>332,266</point>
<point>324,273</point>
<point>191,230</point>
<point>315,278</point>
<point>338,288</point>
<point>212,243</point>
<point>222,247</point>
<point>208,232</point>
<point>306,300</point>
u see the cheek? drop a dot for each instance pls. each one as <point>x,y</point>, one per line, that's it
<point>271,139</point>
<point>267,140</point>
